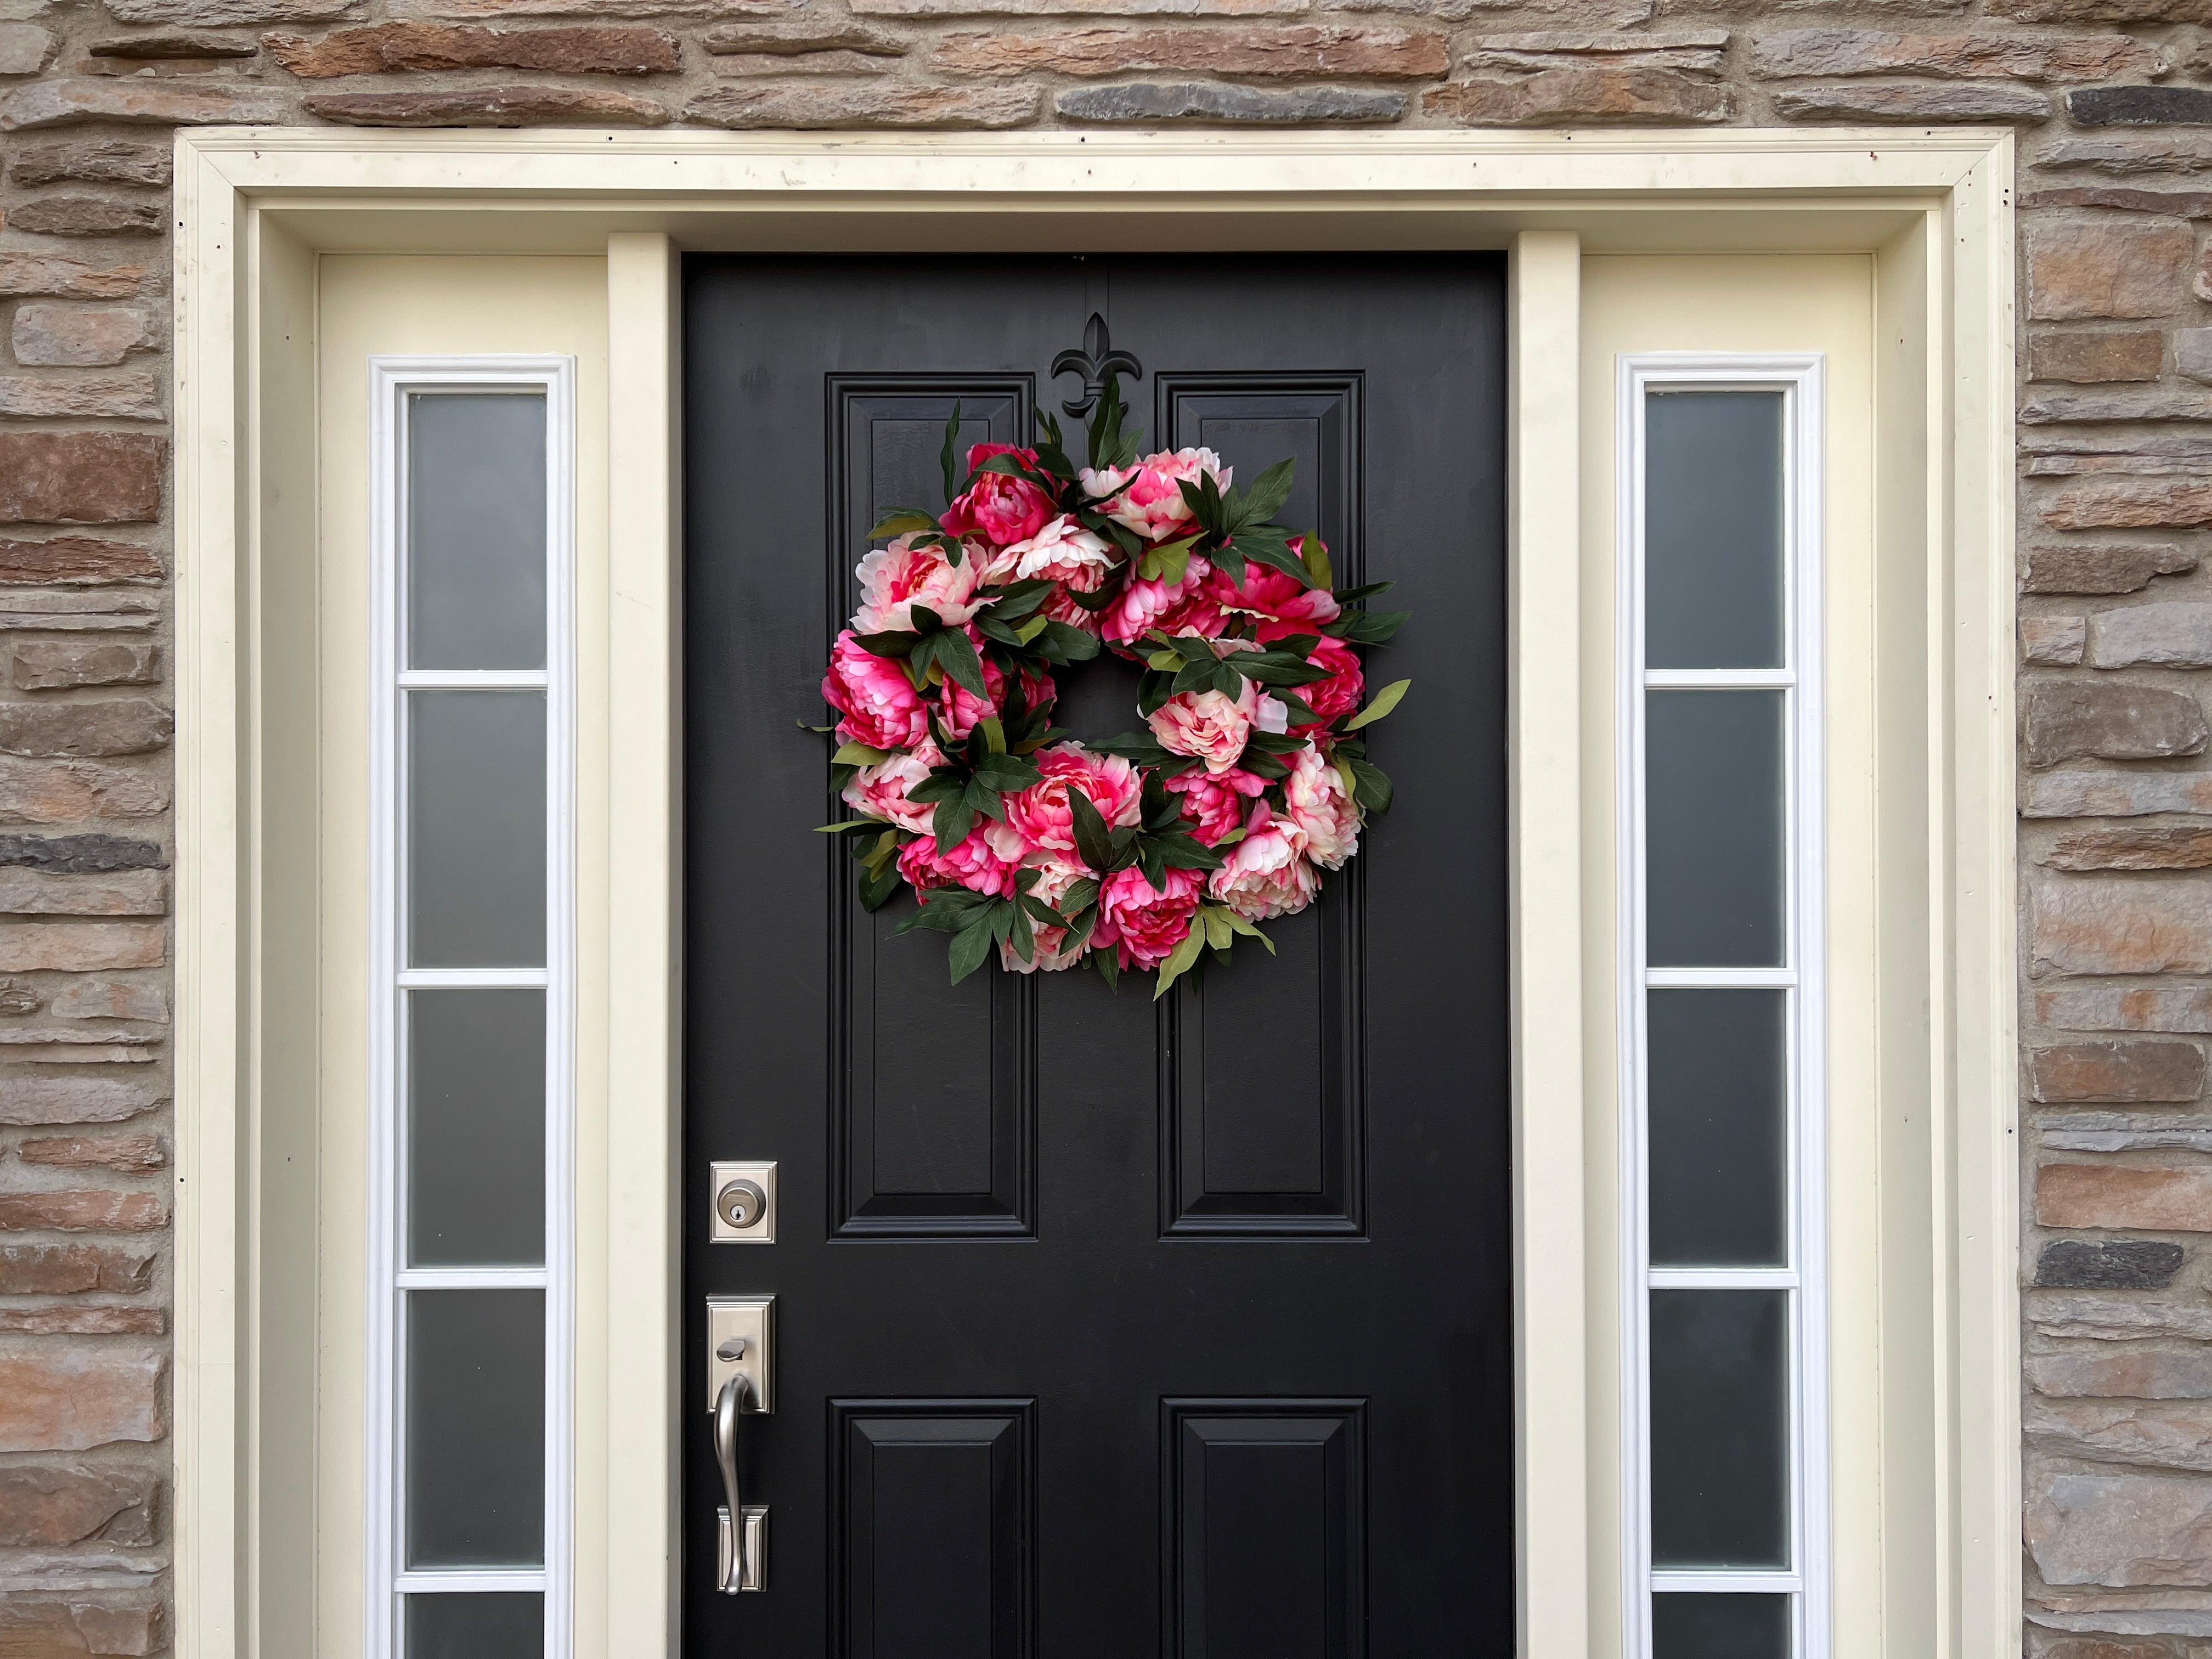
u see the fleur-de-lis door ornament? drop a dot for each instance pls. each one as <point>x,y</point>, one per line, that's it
<point>1094,362</point>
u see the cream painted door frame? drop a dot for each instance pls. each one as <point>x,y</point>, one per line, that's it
<point>257,207</point>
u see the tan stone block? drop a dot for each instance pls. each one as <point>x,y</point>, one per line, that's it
<point>815,107</point>
<point>81,396</point>
<point>93,160</point>
<point>81,946</point>
<point>801,35</point>
<point>2173,204</point>
<point>133,1631</point>
<point>40,1101</point>
<point>111,999</point>
<point>103,893</point>
<point>58,665</point>
<point>89,215</point>
<point>1562,97</point>
<point>2120,1529</point>
<point>81,1319</point>
<point>2108,268</point>
<point>68,1269</point>
<point>2125,1008</point>
<point>2102,568</point>
<point>44,1506</point>
<point>23,48</point>
<point>1909,101</point>
<point>80,478</point>
<point>179,43</point>
<point>73,1400</point>
<point>1699,50</point>
<point>804,62</point>
<point>75,559</point>
<point>2113,926</point>
<point>2082,356</point>
<point>2094,1648</point>
<point>120,726</point>
<point>2108,720</point>
<point>2133,847</point>
<point>2052,641</point>
<point>2124,1073</point>
<point>134,1154</point>
<point>383,47</point>
<point>2119,1195</point>
<point>1845,52</point>
<point>1300,50</point>
<point>157,102</point>
<point>2131,504</point>
<point>51,275</point>
<point>2175,634</point>
<point>96,1210</point>
<point>1079,8</point>
<point>232,14</point>
<point>489,107</point>
<point>2115,795</point>
<point>71,792</point>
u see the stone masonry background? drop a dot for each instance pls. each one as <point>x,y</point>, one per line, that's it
<point>2112,100</point>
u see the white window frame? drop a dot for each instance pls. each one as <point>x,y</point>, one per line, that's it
<point>1801,379</point>
<point>392,382</point>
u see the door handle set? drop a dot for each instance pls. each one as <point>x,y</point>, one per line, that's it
<point>740,1382</point>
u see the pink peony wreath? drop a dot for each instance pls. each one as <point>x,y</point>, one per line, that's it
<point>1144,850</point>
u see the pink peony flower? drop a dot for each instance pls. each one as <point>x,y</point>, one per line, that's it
<point>1273,596</point>
<point>1144,923</point>
<point>972,864</point>
<point>1064,552</point>
<point>1054,880</point>
<point>896,578</point>
<point>1150,503</point>
<point>1267,873</point>
<point>1041,813</point>
<point>1182,607</point>
<point>1214,801</point>
<point>1314,801</point>
<point>1103,481</point>
<point>879,791</point>
<point>1212,726</point>
<point>1340,692</point>
<point>999,507</point>
<point>879,703</point>
<point>957,708</point>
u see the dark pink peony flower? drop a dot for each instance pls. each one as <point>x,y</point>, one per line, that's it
<point>973,864</point>
<point>1181,607</point>
<point>998,506</point>
<point>1214,801</point>
<point>1316,800</point>
<point>879,703</point>
<point>1054,880</point>
<point>1144,923</point>
<point>1270,596</point>
<point>1340,692</point>
<point>1041,813</point>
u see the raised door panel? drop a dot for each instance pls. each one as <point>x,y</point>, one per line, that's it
<point>934,1088</point>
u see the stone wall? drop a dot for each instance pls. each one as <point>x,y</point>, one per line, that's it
<point>2113,100</point>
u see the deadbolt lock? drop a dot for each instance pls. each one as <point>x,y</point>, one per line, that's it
<point>745,1203</point>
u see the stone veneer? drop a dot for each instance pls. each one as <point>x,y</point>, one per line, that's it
<point>2113,102</point>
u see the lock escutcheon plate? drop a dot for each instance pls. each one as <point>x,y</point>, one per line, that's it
<point>762,1230</point>
<point>751,1318</point>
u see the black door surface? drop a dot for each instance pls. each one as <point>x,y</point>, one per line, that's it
<point>1104,1329</point>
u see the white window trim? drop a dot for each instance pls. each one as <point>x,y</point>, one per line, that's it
<point>256,206</point>
<point>391,380</point>
<point>1802,380</point>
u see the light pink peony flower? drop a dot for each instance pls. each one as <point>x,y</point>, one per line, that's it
<point>1181,607</point>
<point>1314,799</point>
<point>896,578</point>
<point>1150,503</point>
<point>879,703</point>
<point>998,506</point>
<point>1214,801</point>
<point>1266,874</point>
<point>972,864</point>
<point>1271,596</point>
<point>1100,482</point>
<point>879,791</point>
<point>1340,692</point>
<point>1212,726</point>
<point>1064,552</point>
<point>1144,923</point>
<point>1041,813</point>
<point>1054,880</point>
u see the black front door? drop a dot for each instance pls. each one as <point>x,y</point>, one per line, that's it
<point>1104,1329</point>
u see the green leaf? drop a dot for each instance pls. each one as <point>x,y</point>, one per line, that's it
<point>1238,925</point>
<point>971,947</point>
<point>1166,661</point>
<point>860,754</point>
<point>952,821</point>
<point>1027,633</point>
<point>994,732</point>
<point>1353,595</point>
<point>1024,940</point>
<point>882,854</point>
<point>1367,627</point>
<point>876,887</point>
<point>840,828</point>
<point>1063,642</point>
<point>1179,963</point>
<point>1269,548</point>
<point>1218,932</point>
<point>957,655</point>
<point>948,456</point>
<point>1384,701</point>
<point>1110,969</point>
<point>1319,571</point>
<point>1092,840</point>
<point>900,521</point>
<point>1267,493</point>
<point>1079,896</point>
<point>895,643</point>
<point>1373,789</point>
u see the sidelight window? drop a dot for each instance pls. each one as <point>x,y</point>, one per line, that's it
<point>469,994</point>
<point>1722,1009</point>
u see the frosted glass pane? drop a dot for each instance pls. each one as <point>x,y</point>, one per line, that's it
<point>497,1624</point>
<point>475,1428</point>
<point>476,811</point>
<point>476,1128</point>
<point>1712,530</point>
<point>1693,1625</point>
<point>476,529</point>
<point>1713,829</point>
<point>1720,1429</point>
<point>1719,1128</point>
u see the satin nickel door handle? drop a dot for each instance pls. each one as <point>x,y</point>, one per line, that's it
<point>742,1550</point>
